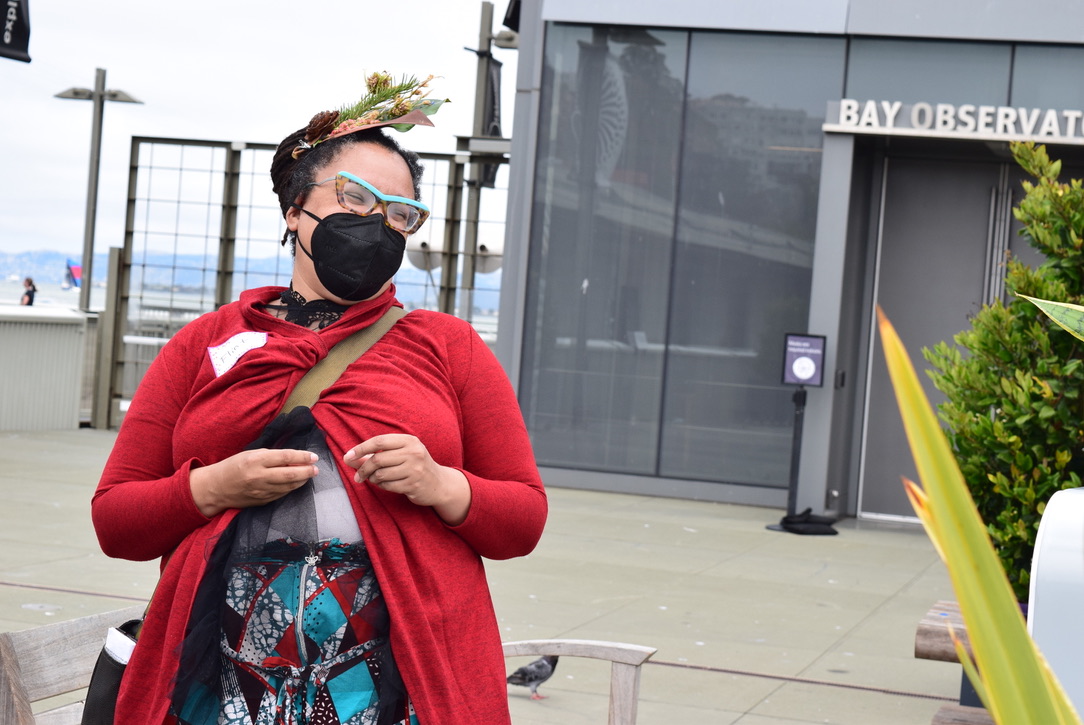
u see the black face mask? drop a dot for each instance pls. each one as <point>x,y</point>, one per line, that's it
<point>353,255</point>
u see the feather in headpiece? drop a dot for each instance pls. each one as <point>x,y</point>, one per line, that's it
<point>401,105</point>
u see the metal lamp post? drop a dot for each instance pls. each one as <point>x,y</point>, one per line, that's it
<point>99,96</point>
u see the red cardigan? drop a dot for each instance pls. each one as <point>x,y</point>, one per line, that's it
<point>209,393</point>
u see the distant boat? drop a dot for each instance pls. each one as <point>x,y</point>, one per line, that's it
<point>72,276</point>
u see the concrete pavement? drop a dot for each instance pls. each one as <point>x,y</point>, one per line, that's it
<point>753,627</point>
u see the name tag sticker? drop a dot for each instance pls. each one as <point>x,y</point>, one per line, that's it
<point>226,355</point>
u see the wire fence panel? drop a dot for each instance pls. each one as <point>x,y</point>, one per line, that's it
<point>203,225</point>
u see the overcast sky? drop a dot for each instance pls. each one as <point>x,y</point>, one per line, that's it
<point>232,70</point>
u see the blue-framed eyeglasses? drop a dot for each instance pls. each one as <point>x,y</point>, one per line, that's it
<point>358,196</point>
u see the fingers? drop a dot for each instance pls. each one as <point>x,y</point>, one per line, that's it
<point>251,478</point>
<point>401,464</point>
<point>383,468</point>
<point>387,442</point>
<point>290,467</point>
<point>277,457</point>
<point>388,459</point>
<point>362,455</point>
<point>276,467</point>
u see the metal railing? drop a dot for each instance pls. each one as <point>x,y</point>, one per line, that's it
<point>202,225</point>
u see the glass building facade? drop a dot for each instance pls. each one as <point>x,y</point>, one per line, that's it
<point>673,216</point>
<point>671,247</point>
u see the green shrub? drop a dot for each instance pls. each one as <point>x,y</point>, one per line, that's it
<point>1013,381</point>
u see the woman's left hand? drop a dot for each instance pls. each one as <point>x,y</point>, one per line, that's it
<point>401,464</point>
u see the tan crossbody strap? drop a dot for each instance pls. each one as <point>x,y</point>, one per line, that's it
<point>327,371</point>
<point>320,376</point>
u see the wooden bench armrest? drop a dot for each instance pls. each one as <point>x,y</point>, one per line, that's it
<point>962,715</point>
<point>932,638</point>
<point>50,660</point>
<point>624,670</point>
<point>628,654</point>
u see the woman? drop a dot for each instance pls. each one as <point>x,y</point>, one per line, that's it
<point>425,437</point>
<point>29,290</point>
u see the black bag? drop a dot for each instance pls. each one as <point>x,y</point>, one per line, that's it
<point>101,700</point>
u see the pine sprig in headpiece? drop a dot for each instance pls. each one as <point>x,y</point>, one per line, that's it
<point>401,105</point>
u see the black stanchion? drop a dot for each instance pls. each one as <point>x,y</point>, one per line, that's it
<point>805,522</point>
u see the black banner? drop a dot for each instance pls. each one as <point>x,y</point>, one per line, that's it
<point>15,41</point>
<point>511,16</point>
<point>491,117</point>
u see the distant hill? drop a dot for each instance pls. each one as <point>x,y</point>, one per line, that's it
<point>189,271</point>
<point>44,266</point>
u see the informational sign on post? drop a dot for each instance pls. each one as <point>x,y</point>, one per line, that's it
<point>803,360</point>
<point>803,364</point>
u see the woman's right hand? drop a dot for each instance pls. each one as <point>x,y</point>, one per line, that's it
<point>250,478</point>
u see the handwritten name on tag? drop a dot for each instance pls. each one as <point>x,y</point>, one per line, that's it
<point>226,355</point>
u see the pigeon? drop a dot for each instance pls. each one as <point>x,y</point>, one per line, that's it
<point>534,674</point>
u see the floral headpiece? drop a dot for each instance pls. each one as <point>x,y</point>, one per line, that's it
<point>401,105</point>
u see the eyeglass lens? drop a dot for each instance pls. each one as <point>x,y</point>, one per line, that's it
<point>361,200</point>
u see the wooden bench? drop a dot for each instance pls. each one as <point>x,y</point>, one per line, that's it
<point>933,642</point>
<point>52,660</point>
<point>626,660</point>
<point>961,715</point>
<point>57,659</point>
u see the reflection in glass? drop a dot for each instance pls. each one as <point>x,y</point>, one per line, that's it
<point>1047,76</point>
<point>932,71</point>
<point>750,170</point>
<point>671,248</point>
<point>601,243</point>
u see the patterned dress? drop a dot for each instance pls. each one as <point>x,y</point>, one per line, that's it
<point>303,626</point>
<point>306,635</point>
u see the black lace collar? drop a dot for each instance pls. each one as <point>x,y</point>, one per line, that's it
<point>316,314</point>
